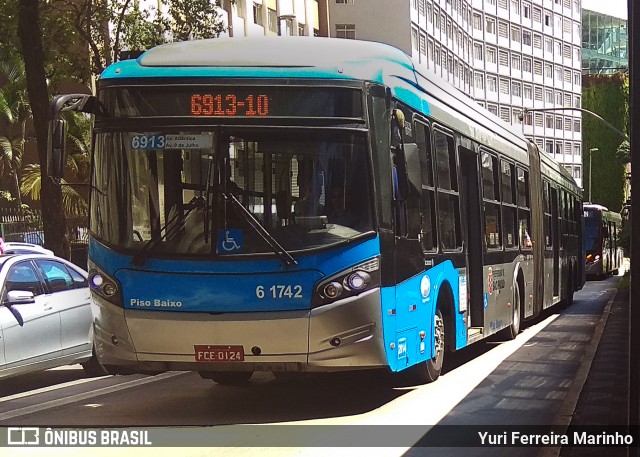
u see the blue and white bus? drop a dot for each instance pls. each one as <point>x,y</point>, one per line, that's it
<point>303,205</point>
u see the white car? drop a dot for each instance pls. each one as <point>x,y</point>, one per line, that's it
<point>45,315</point>
<point>17,247</point>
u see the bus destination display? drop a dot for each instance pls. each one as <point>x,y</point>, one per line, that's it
<point>228,104</point>
<point>232,102</point>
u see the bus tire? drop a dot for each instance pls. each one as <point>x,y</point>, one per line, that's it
<point>227,378</point>
<point>93,367</point>
<point>570,287</point>
<point>512,331</point>
<point>429,370</point>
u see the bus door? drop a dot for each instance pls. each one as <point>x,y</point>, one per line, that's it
<point>555,241</point>
<point>471,217</point>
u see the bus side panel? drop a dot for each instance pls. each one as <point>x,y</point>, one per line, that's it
<point>409,309</point>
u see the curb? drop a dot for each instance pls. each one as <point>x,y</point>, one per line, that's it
<point>563,417</point>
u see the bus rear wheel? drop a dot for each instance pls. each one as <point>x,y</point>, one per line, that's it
<point>512,331</point>
<point>227,378</point>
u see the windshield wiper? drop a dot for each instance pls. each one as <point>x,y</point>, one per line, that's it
<point>143,254</point>
<point>281,252</point>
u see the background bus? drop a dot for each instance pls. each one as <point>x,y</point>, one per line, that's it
<point>602,227</point>
<point>291,204</point>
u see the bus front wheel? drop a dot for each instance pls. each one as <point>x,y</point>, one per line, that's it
<point>227,378</point>
<point>429,370</point>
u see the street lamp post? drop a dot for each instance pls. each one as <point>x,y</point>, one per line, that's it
<point>591,151</point>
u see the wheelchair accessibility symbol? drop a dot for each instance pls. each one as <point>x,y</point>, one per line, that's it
<point>230,241</point>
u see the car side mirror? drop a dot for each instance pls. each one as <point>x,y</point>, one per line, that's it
<point>19,297</point>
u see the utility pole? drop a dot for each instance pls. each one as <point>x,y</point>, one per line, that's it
<point>591,151</point>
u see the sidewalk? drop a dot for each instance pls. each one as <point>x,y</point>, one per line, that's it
<point>604,398</point>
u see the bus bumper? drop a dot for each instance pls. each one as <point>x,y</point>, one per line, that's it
<point>343,335</point>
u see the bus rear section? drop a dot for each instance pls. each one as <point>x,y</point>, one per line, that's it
<point>603,255</point>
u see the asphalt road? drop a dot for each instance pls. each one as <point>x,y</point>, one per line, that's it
<point>531,380</point>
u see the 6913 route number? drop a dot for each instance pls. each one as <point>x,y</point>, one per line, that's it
<point>279,291</point>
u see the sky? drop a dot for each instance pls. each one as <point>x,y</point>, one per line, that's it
<point>617,8</point>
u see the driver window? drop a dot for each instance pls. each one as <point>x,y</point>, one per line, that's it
<point>23,277</point>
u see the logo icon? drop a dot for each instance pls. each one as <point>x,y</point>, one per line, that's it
<point>230,241</point>
<point>23,436</point>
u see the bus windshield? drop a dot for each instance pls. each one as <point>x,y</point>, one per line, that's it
<point>592,227</point>
<point>170,189</point>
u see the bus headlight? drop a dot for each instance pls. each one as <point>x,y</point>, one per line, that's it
<point>105,286</point>
<point>358,280</point>
<point>332,290</point>
<point>347,283</point>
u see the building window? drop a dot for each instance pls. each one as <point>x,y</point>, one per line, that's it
<point>516,63</point>
<point>537,15</point>
<point>516,119</point>
<point>493,109</point>
<point>491,26</point>
<point>503,29</point>
<point>527,92</point>
<point>526,65</point>
<point>538,97</point>
<point>526,10</point>
<point>257,13</point>
<point>503,58</point>
<point>515,7</point>
<point>515,34</point>
<point>491,55</point>
<point>526,38</point>
<point>537,41</point>
<point>548,70</point>
<point>504,89</point>
<point>272,18</point>
<point>492,85</point>
<point>537,67</point>
<point>558,122</point>
<point>477,51</point>
<point>478,81</point>
<point>477,21</point>
<point>516,89</point>
<point>346,31</point>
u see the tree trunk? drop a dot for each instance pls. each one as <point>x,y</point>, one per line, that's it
<point>29,32</point>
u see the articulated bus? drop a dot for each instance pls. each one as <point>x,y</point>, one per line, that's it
<point>602,227</point>
<point>305,205</point>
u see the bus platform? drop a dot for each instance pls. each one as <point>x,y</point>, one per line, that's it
<point>604,397</point>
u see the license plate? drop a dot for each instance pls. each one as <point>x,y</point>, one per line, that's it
<point>205,353</point>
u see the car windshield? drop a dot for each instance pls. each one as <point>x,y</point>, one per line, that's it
<point>172,191</point>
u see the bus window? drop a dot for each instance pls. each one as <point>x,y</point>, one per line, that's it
<point>509,212</point>
<point>524,217</point>
<point>448,198</point>
<point>429,232</point>
<point>491,196</point>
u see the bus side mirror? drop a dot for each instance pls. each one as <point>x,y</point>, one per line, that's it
<point>412,159</point>
<point>56,157</point>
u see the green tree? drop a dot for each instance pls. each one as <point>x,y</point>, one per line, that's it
<point>110,26</point>
<point>607,96</point>
<point>53,220</point>
<point>74,192</point>
<point>15,112</point>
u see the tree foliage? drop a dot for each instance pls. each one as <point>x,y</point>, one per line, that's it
<point>607,96</point>
<point>109,27</point>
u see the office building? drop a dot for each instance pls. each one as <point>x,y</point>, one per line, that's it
<point>506,54</point>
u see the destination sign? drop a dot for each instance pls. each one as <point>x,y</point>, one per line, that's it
<point>232,102</point>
